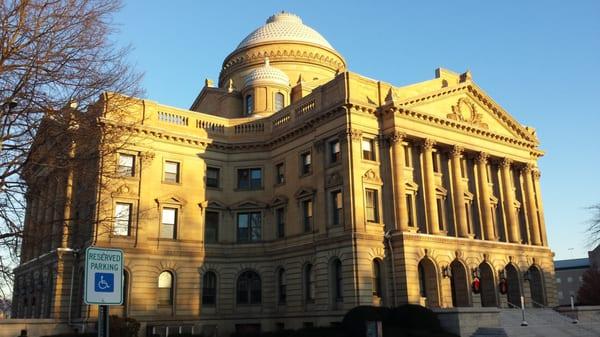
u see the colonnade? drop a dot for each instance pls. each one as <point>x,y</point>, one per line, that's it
<point>528,189</point>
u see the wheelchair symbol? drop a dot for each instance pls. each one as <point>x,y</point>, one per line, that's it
<point>104,282</point>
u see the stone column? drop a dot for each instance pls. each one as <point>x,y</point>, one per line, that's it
<point>534,228</point>
<point>430,198</point>
<point>484,197</point>
<point>509,202</point>
<point>462,226</point>
<point>398,158</point>
<point>540,205</point>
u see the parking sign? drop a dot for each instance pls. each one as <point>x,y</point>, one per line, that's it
<point>103,276</point>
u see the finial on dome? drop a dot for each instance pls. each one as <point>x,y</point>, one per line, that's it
<point>267,64</point>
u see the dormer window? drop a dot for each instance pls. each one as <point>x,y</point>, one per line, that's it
<point>279,101</point>
<point>249,105</point>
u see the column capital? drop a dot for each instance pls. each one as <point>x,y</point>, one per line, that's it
<point>427,144</point>
<point>505,163</point>
<point>395,137</point>
<point>537,174</point>
<point>456,150</point>
<point>527,168</point>
<point>355,134</point>
<point>482,158</point>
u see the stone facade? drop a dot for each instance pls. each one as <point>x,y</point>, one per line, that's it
<point>287,205</point>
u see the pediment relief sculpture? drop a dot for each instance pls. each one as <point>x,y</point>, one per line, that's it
<point>465,111</point>
<point>123,190</point>
<point>372,177</point>
<point>171,199</point>
<point>304,192</point>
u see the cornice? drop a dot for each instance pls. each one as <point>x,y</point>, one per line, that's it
<point>455,125</point>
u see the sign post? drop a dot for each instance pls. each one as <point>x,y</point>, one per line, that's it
<point>103,282</point>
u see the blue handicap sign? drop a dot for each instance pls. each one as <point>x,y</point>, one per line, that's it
<point>104,282</point>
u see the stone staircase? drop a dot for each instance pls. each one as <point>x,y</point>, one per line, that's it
<point>542,322</point>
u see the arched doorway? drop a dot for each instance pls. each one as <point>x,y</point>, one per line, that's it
<point>513,286</point>
<point>428,283</point>
<point>459,284</point>
<point>488,286</point>
<point>536,286</point>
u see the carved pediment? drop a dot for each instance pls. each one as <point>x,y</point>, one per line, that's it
<point>334,179</point>
<point>468,106</point>
<point>249,204</point>
<point>439,190</point>
<point>411,186</point>
<point>216,204</point>
<point>372,177</point>
<point>171,199</point>
<point>123,191</point>
<point>304,192</point>
<point>279,200</point>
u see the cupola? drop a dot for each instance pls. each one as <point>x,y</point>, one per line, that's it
<point>266,89</point>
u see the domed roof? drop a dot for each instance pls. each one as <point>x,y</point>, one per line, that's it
<point>284,27</point>
<point>268,74</point>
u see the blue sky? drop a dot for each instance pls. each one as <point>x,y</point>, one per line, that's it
<point>540,60</point>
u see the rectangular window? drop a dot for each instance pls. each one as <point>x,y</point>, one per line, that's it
<point>307,215</point>
<point>248,227</point>
<point>441,214</point>
<point>171,171</point>
<point>409,209</point>
<point>337,208</point>
<point>250,178</point>
<point>279,173</point>
<point>372,205</point>
<point>469,209</point>
<point>168,228</point>
<point>126,167</point>
<point>436,162</point>
<point>335,152</point>
<point>368,146</point>
<point>122,223</point>
<point>306,163</point>
<point>211,227</point>
<point>280,219</point>
<point>407,155</point>
<point>213,175</point>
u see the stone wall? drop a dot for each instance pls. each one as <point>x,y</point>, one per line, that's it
<point>465,321</point>
<point>34,327</point>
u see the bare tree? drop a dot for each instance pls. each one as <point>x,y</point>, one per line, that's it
<point>593,229</point>
<point>57,59</point>
<point>589,292</point>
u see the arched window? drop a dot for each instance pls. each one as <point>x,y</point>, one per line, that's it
<point>337,280</point>
<point>165,288</point>
<point>309,283</point>
<point>209,288</point>
<point>279,101</point>
<point>249,288</point>
<point>249,105</point>
<point>281,286</point>
<point>376,278</point>
<point>422,281</point>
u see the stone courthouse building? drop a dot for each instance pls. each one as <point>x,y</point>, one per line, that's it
<point>292,191</point>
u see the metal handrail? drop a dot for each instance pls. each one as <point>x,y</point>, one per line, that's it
<point>513,305</point>
<point>540,305</point>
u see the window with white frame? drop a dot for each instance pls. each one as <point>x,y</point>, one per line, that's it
<point>279,101</point>
<point>122,223</point>
<point>372,205</point>
<point>335,151</point>
<point>168,228</point>
<point>249,178</point>
<point>305,163</point>
<point>307,215</point>
<point>368,149</point>
<point>171,171</point>
<point>337,210</point>
<point>126,166</point>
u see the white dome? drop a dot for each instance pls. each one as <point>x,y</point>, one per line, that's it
<point>284,27</point>
<point>266,74</point>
